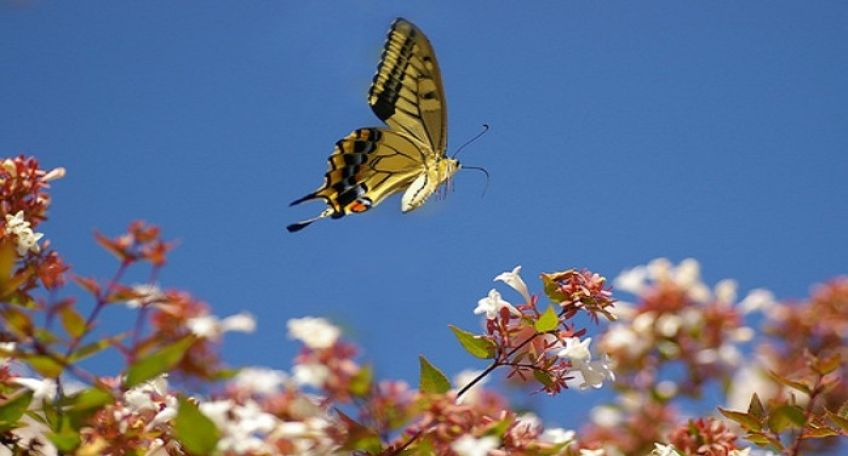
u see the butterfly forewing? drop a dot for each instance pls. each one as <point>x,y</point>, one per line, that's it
<point>407,91</point>
<point>365,167</point>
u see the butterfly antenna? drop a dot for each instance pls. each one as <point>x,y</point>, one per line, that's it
<point>485,129</point>
<point>483,170</point>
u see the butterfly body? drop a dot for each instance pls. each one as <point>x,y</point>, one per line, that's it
<point>408,155</point>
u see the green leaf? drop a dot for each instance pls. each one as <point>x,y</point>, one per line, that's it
<point>543,377</point>
<point>745,420</point>
<point>755,407</point>
<point>72,321</point>
<point>785,417</point>
<point>17,322</point>
<point>761,439</point>
<point>360,384</point>
<point>477,346</point>
<point>819,432</point>
<point>8,257</point>
<point>359,437</point>
<point>552,289</point>
<point>195,430</point>
<point>827,365</point>
<point>90,349</point>
<point>14,407</point>
<point>66,439</point>
<point>45,337</point>
<point>45,365</point>
<point>90,398</point>
<point>82,405</point>
<point>840,421</point>
<point>803,387</point>
<point>158,362</point>
<point>548,321</point>
<point>432,379</point>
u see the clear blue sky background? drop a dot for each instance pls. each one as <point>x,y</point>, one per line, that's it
<point>622,131</point>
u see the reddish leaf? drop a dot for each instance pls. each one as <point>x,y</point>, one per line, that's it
<point>88,284</point>
<point>114,247</point>
<point>123,293</point>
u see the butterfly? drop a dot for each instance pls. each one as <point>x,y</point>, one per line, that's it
<point>371,164</point>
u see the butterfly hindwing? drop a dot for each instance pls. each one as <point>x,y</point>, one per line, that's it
<point>365,167</point>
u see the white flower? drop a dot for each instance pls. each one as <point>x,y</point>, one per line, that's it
<point>593,374</point>
<point>260,380</point>
<point>240,322</point>
<point>41,388</point>
<point>240,425</point>
<point>623,310</point>
<point>643,324</point>
<point>692,318</point>
<point>725,291</point>
<point>138,400</point>
<point>666,389</point>
<point>687,274</point>
<point>10,167</point>
<point>514,280</point>
<point>315,333</point>
<point>699,293</point>
<point>621,337</point>
<point>33,434</point>
<point>576,350</point>
<point>587,452</point>
<point>557,436</point>
<point>668,324</point>
<point>707,356</point>
<point>664,450</point>
<point>291,429</point>
<point>27,239</point>
<point>632,281</point>
<point>606,416</point>
<point>16,221</point>
<point>150,294</point>
<point>465,377</point>
<point>742,334</point>
<point>492,304</point>
<point>6,349</point>
<point>758,300</point>
<point>168,412</point>
<point>217,411</point>
<point>210,327</point>
<point>53,174</point>
<point>468,445</point>
<point>742,452</point>
<point>310,374</point>
<point>659,269</point>
<point>527,423</point>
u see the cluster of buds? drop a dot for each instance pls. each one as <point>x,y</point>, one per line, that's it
<point>141,242</point>
<point>23,189</point>
<point>23,206</point>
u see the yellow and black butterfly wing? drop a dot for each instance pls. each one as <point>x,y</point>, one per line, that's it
<point>365,167</point>
<point>407,92</point>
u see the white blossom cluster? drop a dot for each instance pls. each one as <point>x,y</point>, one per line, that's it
<point>20,227</point>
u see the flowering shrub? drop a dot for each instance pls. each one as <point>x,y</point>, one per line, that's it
<point>780,389</point>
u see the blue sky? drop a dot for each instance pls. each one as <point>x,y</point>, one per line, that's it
<point>621,131</point>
